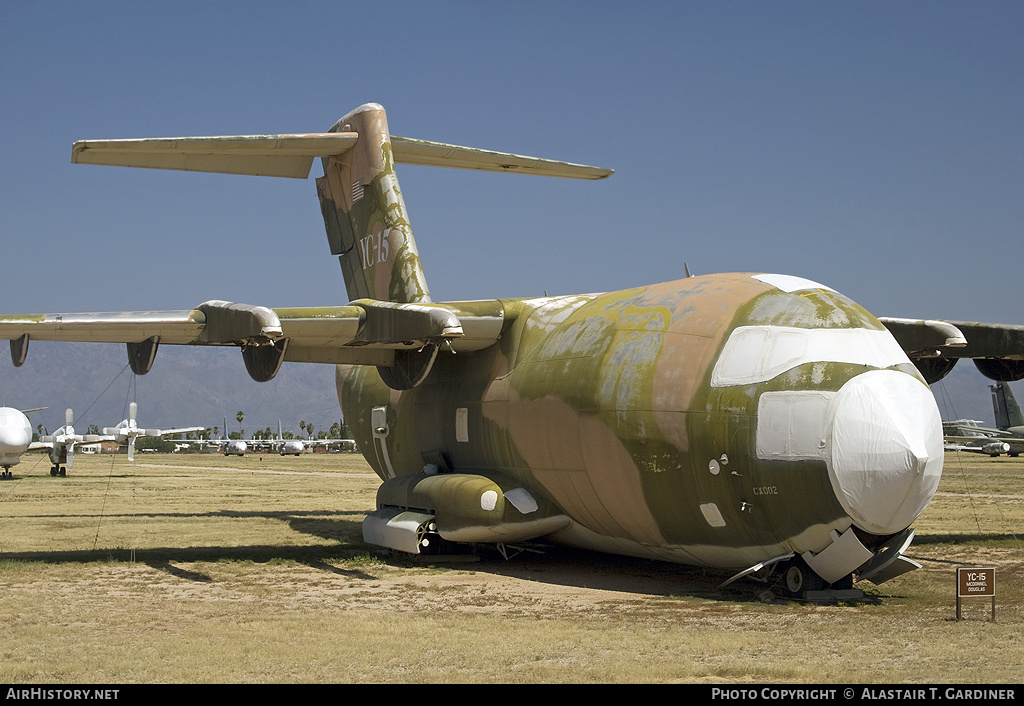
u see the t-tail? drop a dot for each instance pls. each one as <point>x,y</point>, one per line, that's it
<point>365,216</point>
<point>1005,407</point>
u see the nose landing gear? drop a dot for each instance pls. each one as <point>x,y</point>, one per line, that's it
<point>800,581</point>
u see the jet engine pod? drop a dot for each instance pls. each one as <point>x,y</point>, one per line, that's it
<point>263,360</point>
<point>1001,369</point>
<point>19,350</point>
<point>410,369</point>
<point>142,354</point>
<point>934,369</point>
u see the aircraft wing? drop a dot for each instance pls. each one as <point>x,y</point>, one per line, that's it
<point>958,339</point>
<point>168,432</point>
<point>972,431</point>
<point>936,345</point>
<point>363,332</point>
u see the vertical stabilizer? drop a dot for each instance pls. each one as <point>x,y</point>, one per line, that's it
<point>1005,407</point>
<point>367,224</point>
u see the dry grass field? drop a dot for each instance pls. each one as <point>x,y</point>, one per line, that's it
<point>206,569</point>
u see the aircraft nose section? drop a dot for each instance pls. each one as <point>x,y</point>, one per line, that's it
<point>13,442</point>
<point>885,457</point>
<point>13,438</point>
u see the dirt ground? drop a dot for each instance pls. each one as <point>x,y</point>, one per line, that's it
<point>243,571</point>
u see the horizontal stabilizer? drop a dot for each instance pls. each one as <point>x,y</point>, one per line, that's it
<point>292,155</point>
<point>258,155</point>
<point>438,154</point>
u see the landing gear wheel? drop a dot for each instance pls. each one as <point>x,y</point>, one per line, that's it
<point>794,580</point>
<point>798,578</point>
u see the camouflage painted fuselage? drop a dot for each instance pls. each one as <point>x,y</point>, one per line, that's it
<point>748,421</point>
<point>629,413</point>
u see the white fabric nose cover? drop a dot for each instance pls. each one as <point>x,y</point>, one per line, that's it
<point>885,449</point>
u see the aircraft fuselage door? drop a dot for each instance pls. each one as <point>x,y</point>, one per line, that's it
<point>379,422</point>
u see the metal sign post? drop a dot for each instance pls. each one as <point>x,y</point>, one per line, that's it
<point>976,583</point>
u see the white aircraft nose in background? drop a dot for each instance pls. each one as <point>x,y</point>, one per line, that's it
<point>15,437</point>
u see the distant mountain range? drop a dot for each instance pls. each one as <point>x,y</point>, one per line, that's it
<point>192,385</point>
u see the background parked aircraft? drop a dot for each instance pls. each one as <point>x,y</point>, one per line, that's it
<point>62,443</point>
<point>969,435</point>
<point>127,431</point>
<point>229,447</point>
<point>15,437</point>
<point>287,447</point>
<point>1008,435</point>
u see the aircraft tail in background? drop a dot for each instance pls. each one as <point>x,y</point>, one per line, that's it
<point>1005,407</point>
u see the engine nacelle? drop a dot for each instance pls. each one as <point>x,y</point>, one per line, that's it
<point>1001,369</point>
<point>995,448</point>
<point>934,369</point>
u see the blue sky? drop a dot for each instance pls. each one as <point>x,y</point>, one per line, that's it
<point>875,147</point>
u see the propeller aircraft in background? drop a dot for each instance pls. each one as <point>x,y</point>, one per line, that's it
<point>62,443</point>
<point>229,447</point>
<point>16,439</point>
<point>127,431</point>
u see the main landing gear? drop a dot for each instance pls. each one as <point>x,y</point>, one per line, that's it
<point>58,470</point>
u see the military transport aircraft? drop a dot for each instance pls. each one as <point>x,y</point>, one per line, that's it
<point>287,446</point>
<point>759,423</point>
<point>229,447</point>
